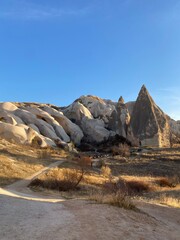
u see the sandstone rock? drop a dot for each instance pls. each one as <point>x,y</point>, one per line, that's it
<point>130,106</point>
<point>71,129</point>
<point>60,132</point>
<point>34,127</point>
<point>7,118</point>
<point>98,107</point>
<point>89,118</point>
<point>120,119</point>
<point>93,129</point>
<point>76,112</point>
<point>7,106</point>
<point>46,129</point>
<point>45,116</point>
<point>148,121</point>
<point>18,134</point>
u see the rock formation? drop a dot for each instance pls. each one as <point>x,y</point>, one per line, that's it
<point>88,120</point>
<point>148,121</point>
<point>99,119</point>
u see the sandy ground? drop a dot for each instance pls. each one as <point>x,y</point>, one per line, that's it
<point>26,215</point>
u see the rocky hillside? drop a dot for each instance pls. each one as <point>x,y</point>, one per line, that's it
<point>88,119</point>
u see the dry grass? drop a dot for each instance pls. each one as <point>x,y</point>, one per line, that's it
<point>166,200</point>
<point>168,181</point>
<point>117,199</point>
<point>59,179</point>
<point>18,162</point>
<point>106,171</point>
<point>170,201</point>
<point>152,175</point>
<point>121,180</point>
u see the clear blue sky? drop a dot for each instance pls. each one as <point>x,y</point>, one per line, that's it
<point>54,51</point>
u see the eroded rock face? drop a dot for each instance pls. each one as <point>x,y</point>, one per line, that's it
<point>148,121</point>
<point>28,123</point>
<point>89,120</point>
<point>120,119</point>
<point>98,107</point>
<point>98,118</point>
<point>93,129</point>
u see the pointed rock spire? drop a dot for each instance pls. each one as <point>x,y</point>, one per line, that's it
<point>121,100</point>
<point>144,94</point>
<point>148,121</point>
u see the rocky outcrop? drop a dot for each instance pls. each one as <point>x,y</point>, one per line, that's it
<point>94,129</point>
<point>130,106</point>
<point>120,119</point>
<point>89,120</point>
<point>98,118</point>
<point>148,121</point>
<point>29,124</point>
<point>70,128</point>
<point>98,107</point>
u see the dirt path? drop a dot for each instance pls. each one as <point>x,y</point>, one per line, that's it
<point>28,215</point>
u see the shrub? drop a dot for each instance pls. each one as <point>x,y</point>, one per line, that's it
<point>121,149</point>
<point>82,160</point>
<point>127,187</point>
<point>135,187</point>
<point>116,199</point>
<point>114,187</point>
<point>61,180</point>
<point>168,181</point>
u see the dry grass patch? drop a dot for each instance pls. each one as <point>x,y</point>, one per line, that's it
<point>59,179</point>
<point>20,161</point>
<point>168,181</point>
<point>117,199</point>
<point>166,200</point>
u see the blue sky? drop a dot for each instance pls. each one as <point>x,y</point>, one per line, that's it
<point>54,51</point>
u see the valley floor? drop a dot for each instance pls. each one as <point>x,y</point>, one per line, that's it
<point>32,215</point>
<point>43,215</point>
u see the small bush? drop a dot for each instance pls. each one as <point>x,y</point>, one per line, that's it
<point>61,180</point>
<point>106,171</point>
<point>82,160</point>
<point>127,187</point>
<point>117,186</point>
<point>121,149</point>
<point>116,199</point>
<point>168,181</point>
<point>135,187</point>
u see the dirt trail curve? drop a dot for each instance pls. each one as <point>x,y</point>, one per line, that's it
<point>26,215</point>
<point>19,189</point>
